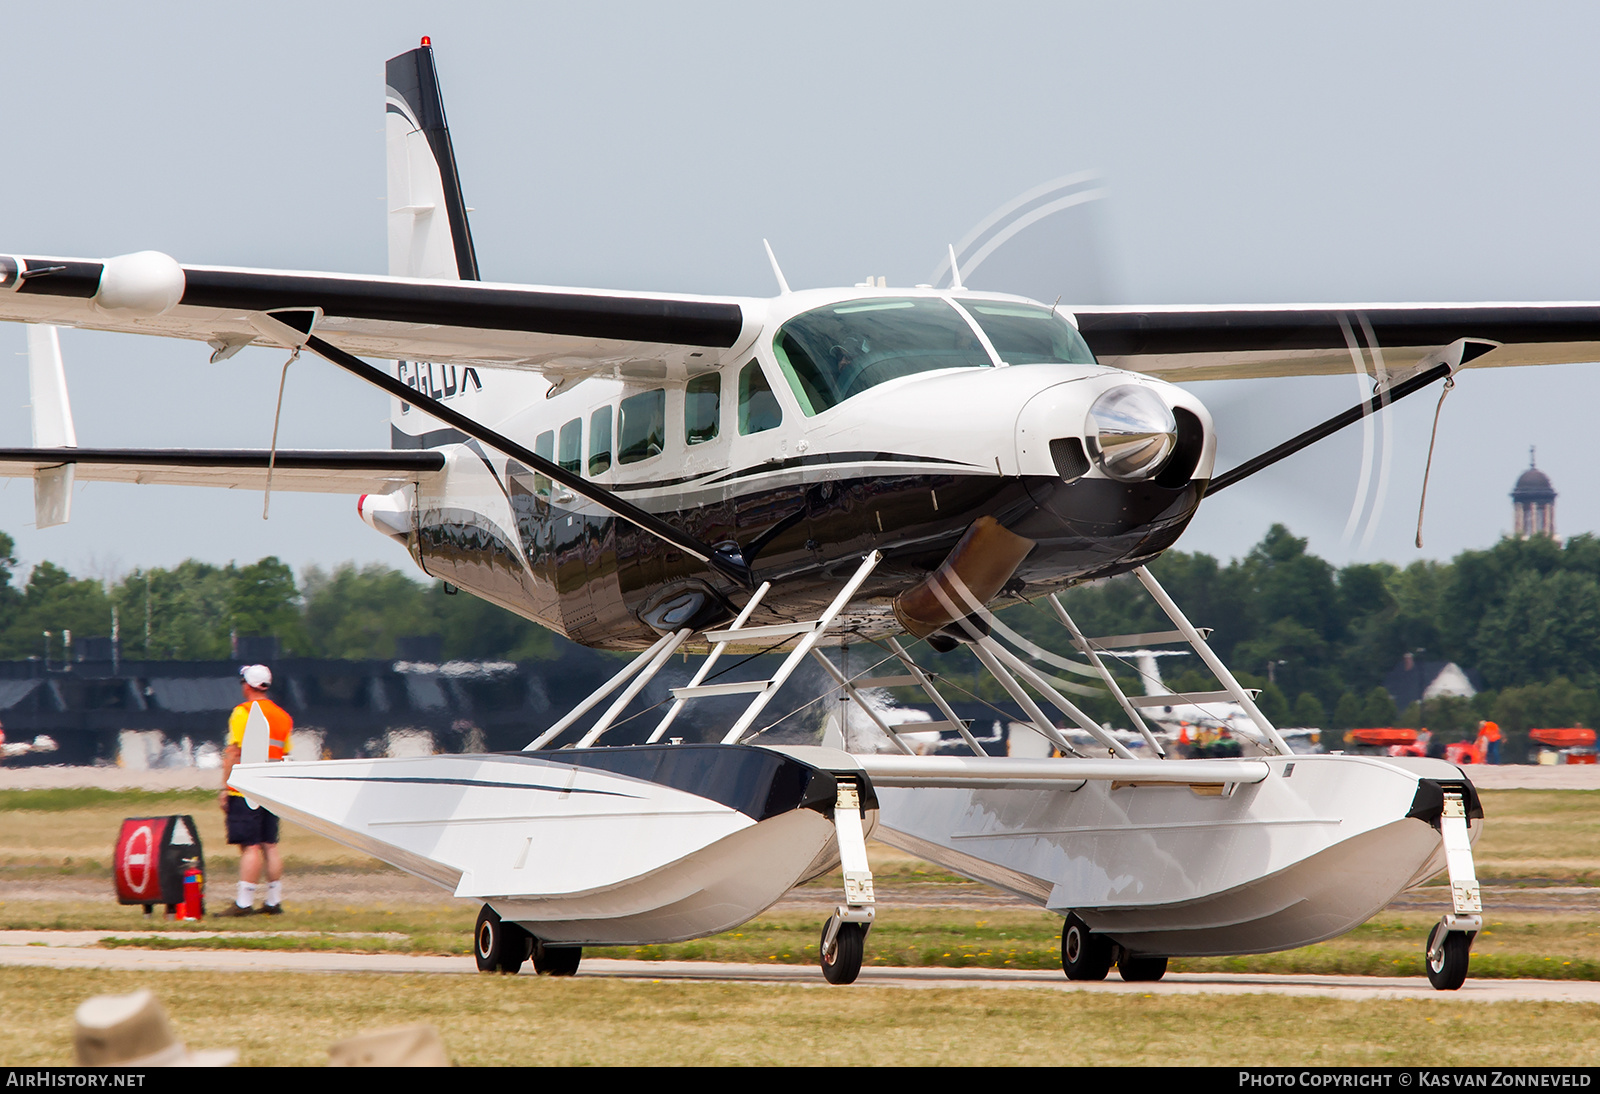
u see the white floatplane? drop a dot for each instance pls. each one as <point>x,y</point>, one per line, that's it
<point>671,473</point>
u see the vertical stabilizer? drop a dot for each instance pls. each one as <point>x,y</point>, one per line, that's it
<point>52,425</point>
<point>257,743</point>
<point>428,231</point>
<point>1150,673</point>
<point>47,390</point>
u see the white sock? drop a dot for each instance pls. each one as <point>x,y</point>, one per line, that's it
<point>247,894</point>
<point>274,893</point>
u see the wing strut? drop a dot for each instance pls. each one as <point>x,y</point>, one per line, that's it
<point>728,562</point>
<point>1330,427</point>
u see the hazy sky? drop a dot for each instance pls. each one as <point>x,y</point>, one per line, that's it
<point>1253,153</point>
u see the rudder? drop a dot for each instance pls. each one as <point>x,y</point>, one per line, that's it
<point>428,231</point>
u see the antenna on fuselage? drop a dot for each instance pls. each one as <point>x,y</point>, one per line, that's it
<point>955,269</point>
<point>783,285</point>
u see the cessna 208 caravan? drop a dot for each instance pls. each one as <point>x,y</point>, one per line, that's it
<point>662,473</point>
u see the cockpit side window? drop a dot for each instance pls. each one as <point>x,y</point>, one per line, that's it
<point>642,426</point>
<point>572,446</point>
<point>1028,334</point>
<point>702,408</point>
<point>600,441</point>
<point>841,350</point>
<point>758,406</point>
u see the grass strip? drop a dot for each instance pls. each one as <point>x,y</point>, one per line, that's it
<point>291,1018</point>
<point>156,803</point>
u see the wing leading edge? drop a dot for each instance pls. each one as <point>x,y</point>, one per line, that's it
<point>577,332</point>
<point>1227,343</point>
<point>548,330</point>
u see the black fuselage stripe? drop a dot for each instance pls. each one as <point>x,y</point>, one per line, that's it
<point>457,782</point>
<point>827,458</point>
<point>401,440</point>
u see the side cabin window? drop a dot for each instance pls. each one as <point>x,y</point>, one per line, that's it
<point>572,446</point>
<point>642,426</point>
<point>702,408</point>
<point>758,406</point>
<point>544,445</point>
<point>600,441</point>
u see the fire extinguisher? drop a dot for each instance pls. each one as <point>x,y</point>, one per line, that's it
<point>193,906</point>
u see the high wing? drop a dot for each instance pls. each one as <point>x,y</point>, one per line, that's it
<point>1226,342</point>
<point>569,333</point>
<point>559,332</point>
<point>322,472</point>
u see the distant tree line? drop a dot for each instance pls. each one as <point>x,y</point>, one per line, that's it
<point>194,610</point>
<point>1525,614</point>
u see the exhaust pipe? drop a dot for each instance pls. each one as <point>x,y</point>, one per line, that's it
<point>973,574</point>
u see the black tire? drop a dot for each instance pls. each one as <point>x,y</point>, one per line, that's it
<point>1448,971</point>
<point>556,960</point>
<point>1141,968</point>
<point>499,946</point>
<point>844,964</point>
<point>1084,954</point>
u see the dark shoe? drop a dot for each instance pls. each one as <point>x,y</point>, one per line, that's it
<point>271,909</point>
<point>233,911</point>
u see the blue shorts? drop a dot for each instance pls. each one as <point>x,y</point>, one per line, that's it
<point>247,826</point>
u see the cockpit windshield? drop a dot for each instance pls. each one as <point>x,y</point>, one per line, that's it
<point>842,350</point>
<point>1028,334</point>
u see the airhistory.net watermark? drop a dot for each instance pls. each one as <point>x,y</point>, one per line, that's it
<point>49,1078</point>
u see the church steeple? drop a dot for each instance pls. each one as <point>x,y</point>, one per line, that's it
<point>1533,503</point>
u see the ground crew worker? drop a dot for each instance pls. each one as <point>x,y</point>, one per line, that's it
<point>1488,742</point>
<point>254,830</point>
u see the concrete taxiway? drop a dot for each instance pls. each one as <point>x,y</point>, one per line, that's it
<point>83,950</point>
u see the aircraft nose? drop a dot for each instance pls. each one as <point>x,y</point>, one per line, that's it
<point>1130,432</point>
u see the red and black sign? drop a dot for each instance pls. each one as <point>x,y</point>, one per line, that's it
<point>151,856</point>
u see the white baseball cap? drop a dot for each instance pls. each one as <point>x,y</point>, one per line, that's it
<point>257,676</point>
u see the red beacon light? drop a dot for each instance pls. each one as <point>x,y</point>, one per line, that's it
<point>426,40</point>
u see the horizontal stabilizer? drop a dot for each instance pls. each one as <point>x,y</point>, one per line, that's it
<point>376,471</point>
<point>1196,698</point>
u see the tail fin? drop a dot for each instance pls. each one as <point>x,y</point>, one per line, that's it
<point>52,426</point>
<point>1150,672</point>
<point>1149,668</point>
<point>428,231</point>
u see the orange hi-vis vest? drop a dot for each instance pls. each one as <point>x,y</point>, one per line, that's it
<point>279,726</point>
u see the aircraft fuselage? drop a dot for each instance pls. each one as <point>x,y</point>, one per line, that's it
<point>904,466</point>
